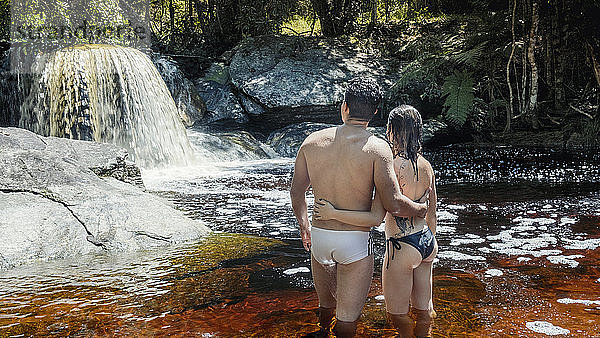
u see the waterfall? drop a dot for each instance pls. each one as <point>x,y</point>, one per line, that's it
<point>107,94</point>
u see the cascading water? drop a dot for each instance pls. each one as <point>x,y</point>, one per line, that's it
<point>107,94</point>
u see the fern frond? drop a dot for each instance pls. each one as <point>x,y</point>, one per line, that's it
<point>458,89</point>
<point>414,71</point>
<point>469,56</point>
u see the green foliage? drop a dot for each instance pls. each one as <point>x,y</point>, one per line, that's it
<point>212,27</point>
<point>264,17</point>
<point>468,57</point>
<point>4,20</point>
<point>458,89</point>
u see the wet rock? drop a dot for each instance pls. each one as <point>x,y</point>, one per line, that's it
<point>220,145</point>
<point>411,93</point>
<point>53,205</point>
<point>436,133</point>
<point>297,80</point>
<point>221,102</point>
<point>288,140</point>
<point>189,103</point>
<point>11,97</point>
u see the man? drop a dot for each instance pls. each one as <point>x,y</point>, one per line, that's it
<point>343,164</point>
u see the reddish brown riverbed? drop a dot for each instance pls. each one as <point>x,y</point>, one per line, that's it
<point>519,253</point>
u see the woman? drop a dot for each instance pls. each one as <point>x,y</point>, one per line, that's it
<point>410,243</point>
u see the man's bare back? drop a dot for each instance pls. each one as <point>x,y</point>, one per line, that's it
<point>343,165</point>
<point>340,164</point>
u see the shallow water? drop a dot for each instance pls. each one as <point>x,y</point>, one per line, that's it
<point>518,234</point>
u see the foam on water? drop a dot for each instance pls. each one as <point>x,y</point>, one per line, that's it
<point>458,256</point>
<point>529,221</point>
<point>546,328</point>
<point>567,220</point>
<point>565,260</point>
<point>455,207</point>
<point>445,229</point>
<point>294,271</point>
<point>578,301</point>
<point>463,241</point>
<point>493,273</point>
<point>446,216</point>
<point>588,244</point>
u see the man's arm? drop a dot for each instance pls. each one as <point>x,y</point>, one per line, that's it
<point>300,184</point>
<point>388,188</point>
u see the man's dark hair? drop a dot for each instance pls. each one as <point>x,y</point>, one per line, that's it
<point>362,96</point>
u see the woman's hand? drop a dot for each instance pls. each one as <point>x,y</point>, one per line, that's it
<point>323,210</point>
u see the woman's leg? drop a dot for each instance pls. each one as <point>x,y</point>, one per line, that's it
<point>397,286</point>
<point>422,296</point>
<point>422,291</point>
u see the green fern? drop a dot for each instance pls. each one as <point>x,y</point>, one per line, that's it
<point>470,56</point>
<point>458,89</point>
<point>414,71</point>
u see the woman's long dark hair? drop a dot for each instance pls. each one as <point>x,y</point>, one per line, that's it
<point>405,129</point>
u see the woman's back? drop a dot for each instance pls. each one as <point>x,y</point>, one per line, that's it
<point>414,185</point>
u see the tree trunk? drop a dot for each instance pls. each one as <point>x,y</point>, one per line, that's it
<point>171,22</point>
<point>594,61</point>
<point>523,93</point>
<point>548,57</point>
<point>387,10</point>
<point>533,88</point>
<point>374,12</point>
<point>557,46</point>
<point>321,7</point>
<point>509,110</point>
<point>336,17</point>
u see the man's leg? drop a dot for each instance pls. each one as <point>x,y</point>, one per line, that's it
<point>324,279</point>
<point>353,283</point>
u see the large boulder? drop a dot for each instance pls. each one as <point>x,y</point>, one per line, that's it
<point>54,205</point>
<point>189,103</point>
<point>295,80</point>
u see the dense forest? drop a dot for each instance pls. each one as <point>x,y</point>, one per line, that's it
<point>490,66</point>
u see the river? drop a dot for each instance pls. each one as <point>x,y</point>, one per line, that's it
<point>518,233</point>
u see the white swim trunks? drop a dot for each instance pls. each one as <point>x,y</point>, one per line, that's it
<point>344,247</point>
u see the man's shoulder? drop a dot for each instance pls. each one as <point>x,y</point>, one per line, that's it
<point>320,136</point>
<point>378,147</point>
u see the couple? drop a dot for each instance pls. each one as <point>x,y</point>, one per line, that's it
<point>343,164</point>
